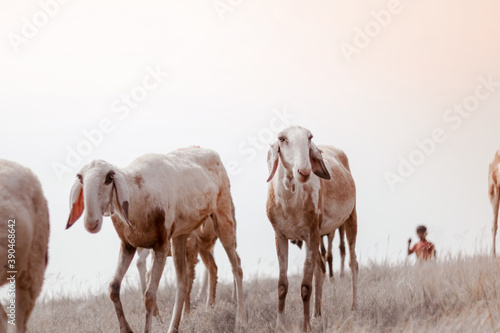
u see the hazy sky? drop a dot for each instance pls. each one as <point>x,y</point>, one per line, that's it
<point>231,70</point>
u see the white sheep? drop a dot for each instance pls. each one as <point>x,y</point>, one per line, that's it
<point>201,241</point>
<point>310,194</point>
<point>24,238</point>
<point>157,199</point>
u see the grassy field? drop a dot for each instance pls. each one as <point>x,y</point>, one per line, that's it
<point>456,295</point>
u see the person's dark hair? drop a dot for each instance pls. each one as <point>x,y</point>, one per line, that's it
<point>421,229</point>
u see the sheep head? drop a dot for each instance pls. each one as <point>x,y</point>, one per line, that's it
<point>101,190</point>
<point>298,155</point>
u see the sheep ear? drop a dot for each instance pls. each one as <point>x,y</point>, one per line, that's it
<point>317,164</point>
<point>76,203</point>
<point>122,197</point>
<point>272,159</point>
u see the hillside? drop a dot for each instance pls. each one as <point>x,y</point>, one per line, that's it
<point>456,295</point>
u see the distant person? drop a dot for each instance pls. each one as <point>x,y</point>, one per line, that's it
<point>424,250</point>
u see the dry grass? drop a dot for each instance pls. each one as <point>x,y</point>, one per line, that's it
<point>457,295</point>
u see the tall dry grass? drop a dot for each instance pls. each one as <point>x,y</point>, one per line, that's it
<point>457,295</point>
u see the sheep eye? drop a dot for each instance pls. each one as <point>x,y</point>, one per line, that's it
<point>109,178</point>
<point>310,137</point>
<point>281,138</point>
<point>80,178</point>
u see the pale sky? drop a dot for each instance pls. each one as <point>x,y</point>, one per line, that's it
<point>227,79</point>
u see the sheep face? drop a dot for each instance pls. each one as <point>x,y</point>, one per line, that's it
<point>298,155</point>
<point>101,190</point>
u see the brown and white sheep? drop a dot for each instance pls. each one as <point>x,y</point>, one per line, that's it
<point>24,238</point>
<point>311,193</point>
<point>158,199</point>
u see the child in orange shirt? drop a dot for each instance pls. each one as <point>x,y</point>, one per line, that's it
<point>424,250</point>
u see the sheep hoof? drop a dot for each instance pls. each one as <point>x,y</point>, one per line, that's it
<point>126,330</point>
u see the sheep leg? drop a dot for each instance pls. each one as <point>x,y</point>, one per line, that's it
<point>322,248</point>
<point>238,278</point>
<point>141,267</point>
<point>351,228</point>
<point>282,250</point>
<point>154,276</point>
<point>309,265</point>
<point>319,278</point>
<point>127,253</point>
<point>156,311</point>
<point>24,306</point>
<point>224,228</point>
<point>329,254</point>
<point>179,254</point>
<point>342,249</point>
<point>27,291</point>
<point>191,261</point>
<point>144,275</point>
<point>211,273</point>
<point>204,285</point>
<point>495,202</point>
<point>233,294</point>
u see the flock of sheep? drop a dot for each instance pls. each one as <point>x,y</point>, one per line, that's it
<point>179,204</point>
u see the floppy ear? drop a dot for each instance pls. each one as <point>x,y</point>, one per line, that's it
<point>75,203</point>
<point>122,198</point>
<point>317,164</point>
<point>272,159</point>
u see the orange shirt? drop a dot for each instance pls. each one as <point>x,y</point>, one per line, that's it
<point>424,250</point>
